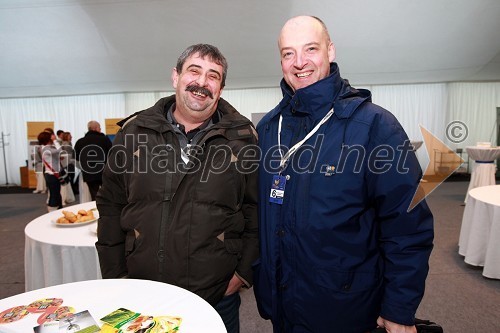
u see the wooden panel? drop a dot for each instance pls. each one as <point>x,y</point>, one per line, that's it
<point>36,127</point>
<point>24,177</point>
<point>111,126</point>
<point>28,177</point>
<point>32,179</point>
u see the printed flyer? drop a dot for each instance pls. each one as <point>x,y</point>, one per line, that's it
<point>53,317</point>
<point>81,322</point>
<point>126,321</point>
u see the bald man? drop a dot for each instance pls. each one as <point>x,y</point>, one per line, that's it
<point>340,250</point>
<point>91,152</point>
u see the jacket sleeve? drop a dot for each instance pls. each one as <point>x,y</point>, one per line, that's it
<point>250,235</point>
<point>406,235</point>
<point>111,199</point>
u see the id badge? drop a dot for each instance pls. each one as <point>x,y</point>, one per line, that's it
<point>277,189</point>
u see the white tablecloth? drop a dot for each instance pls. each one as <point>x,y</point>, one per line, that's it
<point>480,231</point>
<point>83,190</point>
<point>57,254</point>
<point>101,297</point>
<point>483,173</point>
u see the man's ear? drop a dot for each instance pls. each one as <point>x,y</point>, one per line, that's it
<point>175,78</point>
<point>331,52</point>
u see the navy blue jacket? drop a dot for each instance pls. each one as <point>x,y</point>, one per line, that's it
<point>343,248</point>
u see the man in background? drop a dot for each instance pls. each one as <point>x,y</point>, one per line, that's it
<point>91,152</point>
<point>59,135</point>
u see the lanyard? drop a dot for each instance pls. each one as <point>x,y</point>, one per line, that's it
<point>291,151</point>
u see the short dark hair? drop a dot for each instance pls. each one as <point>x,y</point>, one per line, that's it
<point>59,132</point>
<point>44,138</point>
<point>204,50</point>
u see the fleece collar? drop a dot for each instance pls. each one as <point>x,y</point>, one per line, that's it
<point>318,98</point>
<point>155,118</point>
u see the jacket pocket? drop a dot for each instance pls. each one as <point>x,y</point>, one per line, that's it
<point>346,281</point>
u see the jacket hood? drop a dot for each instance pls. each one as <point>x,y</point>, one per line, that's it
<point>318,96</point>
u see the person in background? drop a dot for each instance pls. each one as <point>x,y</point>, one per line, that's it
<point>67,146</point>
<point>91,152</point>
<point>41,186</point>
<point>59,136</point>
<point>53,136</point>
<point>57,145</point>
<point>68,162</point>
<point>51,158</point>
<point>178,202</point>
<point>340,249</point>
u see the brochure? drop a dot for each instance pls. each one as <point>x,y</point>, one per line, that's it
<point>53,317</point>
<point>81,322</point>
<point>47,310</point>
<point>126,321</point>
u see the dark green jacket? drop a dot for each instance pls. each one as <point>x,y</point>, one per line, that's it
<point>192,225</point>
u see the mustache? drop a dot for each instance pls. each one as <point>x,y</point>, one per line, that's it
<point>201,90</point>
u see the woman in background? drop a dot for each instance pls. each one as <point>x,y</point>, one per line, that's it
<point>68,162</point>
<point>38,165</point>
<point>51,159</point>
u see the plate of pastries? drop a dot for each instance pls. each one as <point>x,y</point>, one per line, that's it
<point>74,218</point>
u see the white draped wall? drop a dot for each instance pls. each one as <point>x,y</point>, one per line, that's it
<point>430,105</point>
<point>474,104</point>
<point>415,106</point>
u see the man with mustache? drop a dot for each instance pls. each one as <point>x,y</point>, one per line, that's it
<point>178,200</point>
<point>341,250</point>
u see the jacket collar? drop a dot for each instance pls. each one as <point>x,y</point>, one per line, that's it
<point>93,133</point>
<point>155,117</point>
<point>318,98</point>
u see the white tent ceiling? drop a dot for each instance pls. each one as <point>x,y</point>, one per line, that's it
<point>71,47</point>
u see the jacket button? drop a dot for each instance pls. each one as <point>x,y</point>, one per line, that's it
<point>346,287</point>
<point>161,255</point>
<point>280,233</point>
<point>283,286</point>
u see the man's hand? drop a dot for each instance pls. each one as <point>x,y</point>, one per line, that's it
<point>391,327</point>
<point>234,286</point>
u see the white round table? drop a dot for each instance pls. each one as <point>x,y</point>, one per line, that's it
<point>56,254</point>
<point>83,190</point>
<point>480,231</point>
<point>101,297</point>
<point>483,173</point>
